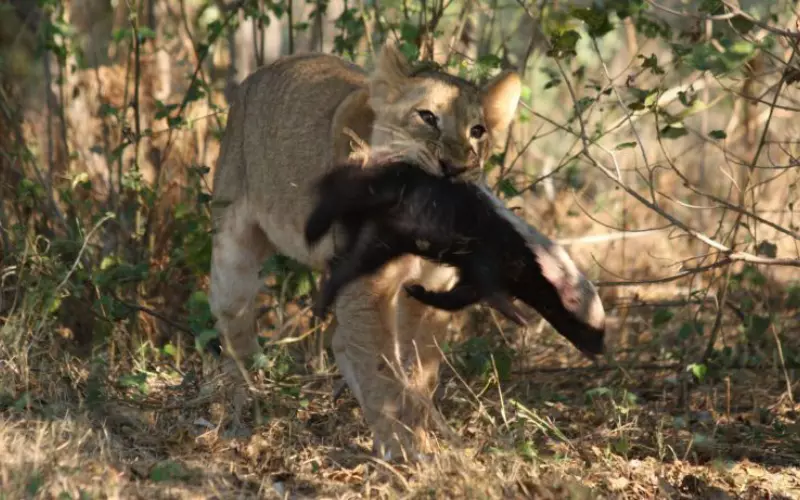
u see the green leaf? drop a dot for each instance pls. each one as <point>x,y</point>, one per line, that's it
<point>742,24</point>
<point>661,317</point>
<point>22,402</point>
<point>651,63</point>
<point>137,381</point>
<point>687,99</point>
<point>121,34</point>
<point>596,392</point>
<point>767,249</point>
<point>792,75</point>
<point>712,7</point>
<point>674,131</point>
<point>303,284</point>
<point>169,350</point>
<point>195,92</point>
<point>718,134</point>
<point>626,8</point>
<point>527,451</point>
<point>490,61</point>
<point>563,44</point>
<point>410,50</point>
<point>552,83</point>
<point>507,187</point>
<point>526,94</point>
<point>757,326</point>
<point>583,104</point>
<point>108,110</point>
<point>176,122</point>
<point>642,98</point>
<point>699,370</point>
<point>690,328</point>
<point>707,57</point>
<point>409,32</point>
<point>753,275</point>
<point>621,446</point>
<point>502,361</point>
<point>34,484</point>
<point>145,33</point>
<point>163,110</point>
<point>168,470</point>
<point>793,297</point>
<point>596,20</point>
<point>625,145</point>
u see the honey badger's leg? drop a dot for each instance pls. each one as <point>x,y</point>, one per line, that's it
<point>468,291</point>
<point>345,192</point>
<point>239,248</point>
<point>459,297</point>
<point>365,257</point>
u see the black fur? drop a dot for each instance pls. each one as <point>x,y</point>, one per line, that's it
<point>396,208</point>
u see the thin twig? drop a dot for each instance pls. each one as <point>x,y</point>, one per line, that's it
<point>783,363</point>
<point>735,12</point>
<point>80,252</point>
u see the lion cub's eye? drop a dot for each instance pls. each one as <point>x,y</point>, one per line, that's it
<point>428,117</point>
<point>477,131</point>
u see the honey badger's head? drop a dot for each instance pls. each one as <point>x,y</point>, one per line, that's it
<point>557,289</point>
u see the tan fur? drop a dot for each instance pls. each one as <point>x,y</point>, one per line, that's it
<point>289,123</point>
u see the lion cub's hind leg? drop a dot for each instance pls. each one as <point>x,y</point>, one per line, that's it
<point>239,249</point>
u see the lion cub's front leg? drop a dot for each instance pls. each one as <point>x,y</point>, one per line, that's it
<point>385,350</point>
<point>239,248</point>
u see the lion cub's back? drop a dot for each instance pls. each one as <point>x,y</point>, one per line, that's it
<point>277,140</point>
<point>289,106</point>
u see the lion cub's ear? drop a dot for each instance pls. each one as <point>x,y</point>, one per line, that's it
<point>391,73</point>
<point>500,98</point>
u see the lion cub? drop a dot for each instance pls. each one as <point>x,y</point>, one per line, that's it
<point>396,208</point>
<point>289,122</point>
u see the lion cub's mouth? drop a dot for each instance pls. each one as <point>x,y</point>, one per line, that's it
<point>451,170</point>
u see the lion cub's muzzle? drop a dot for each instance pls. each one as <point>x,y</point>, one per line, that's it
<point>471,168</point>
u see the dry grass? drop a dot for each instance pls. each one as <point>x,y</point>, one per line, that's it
<point>130,420</point>
<point>70,428</point>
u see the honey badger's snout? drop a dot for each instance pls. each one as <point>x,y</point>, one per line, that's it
<point>575,309</point>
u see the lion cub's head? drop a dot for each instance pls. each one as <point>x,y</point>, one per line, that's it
<point>445,122</point>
